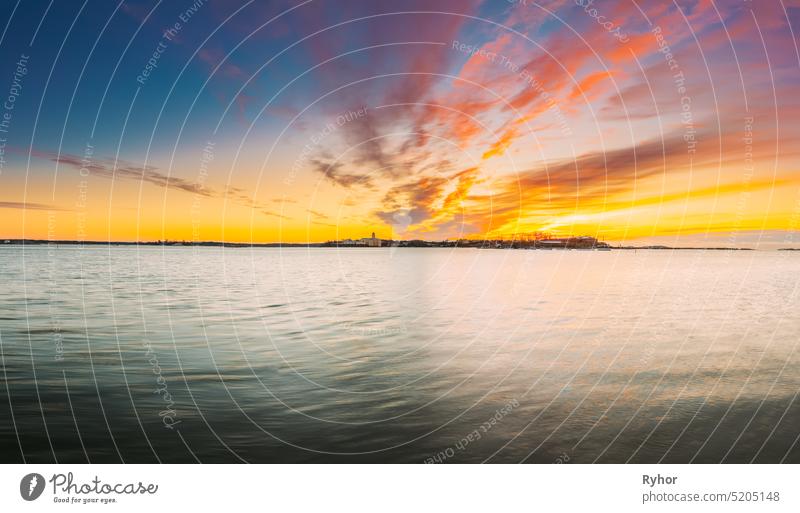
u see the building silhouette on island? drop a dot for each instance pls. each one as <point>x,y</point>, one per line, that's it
<point>368,242</point>
<point>518,241</point>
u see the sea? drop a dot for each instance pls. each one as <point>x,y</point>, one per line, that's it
<point>144,354</point>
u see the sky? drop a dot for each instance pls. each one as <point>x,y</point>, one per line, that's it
<point>304,121</point>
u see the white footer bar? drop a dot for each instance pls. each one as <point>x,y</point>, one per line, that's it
<point>401,488</point>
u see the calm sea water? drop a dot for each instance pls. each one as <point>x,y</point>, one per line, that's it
<point>407,355</point>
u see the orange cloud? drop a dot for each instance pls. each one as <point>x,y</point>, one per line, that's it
<point>587,84</point>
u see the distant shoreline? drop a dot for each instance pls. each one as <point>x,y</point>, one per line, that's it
<point>491,244</point>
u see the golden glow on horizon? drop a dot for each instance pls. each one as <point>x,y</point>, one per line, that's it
<point>185,216</point>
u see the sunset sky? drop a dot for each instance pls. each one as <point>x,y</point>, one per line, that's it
<point>307,121</point>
